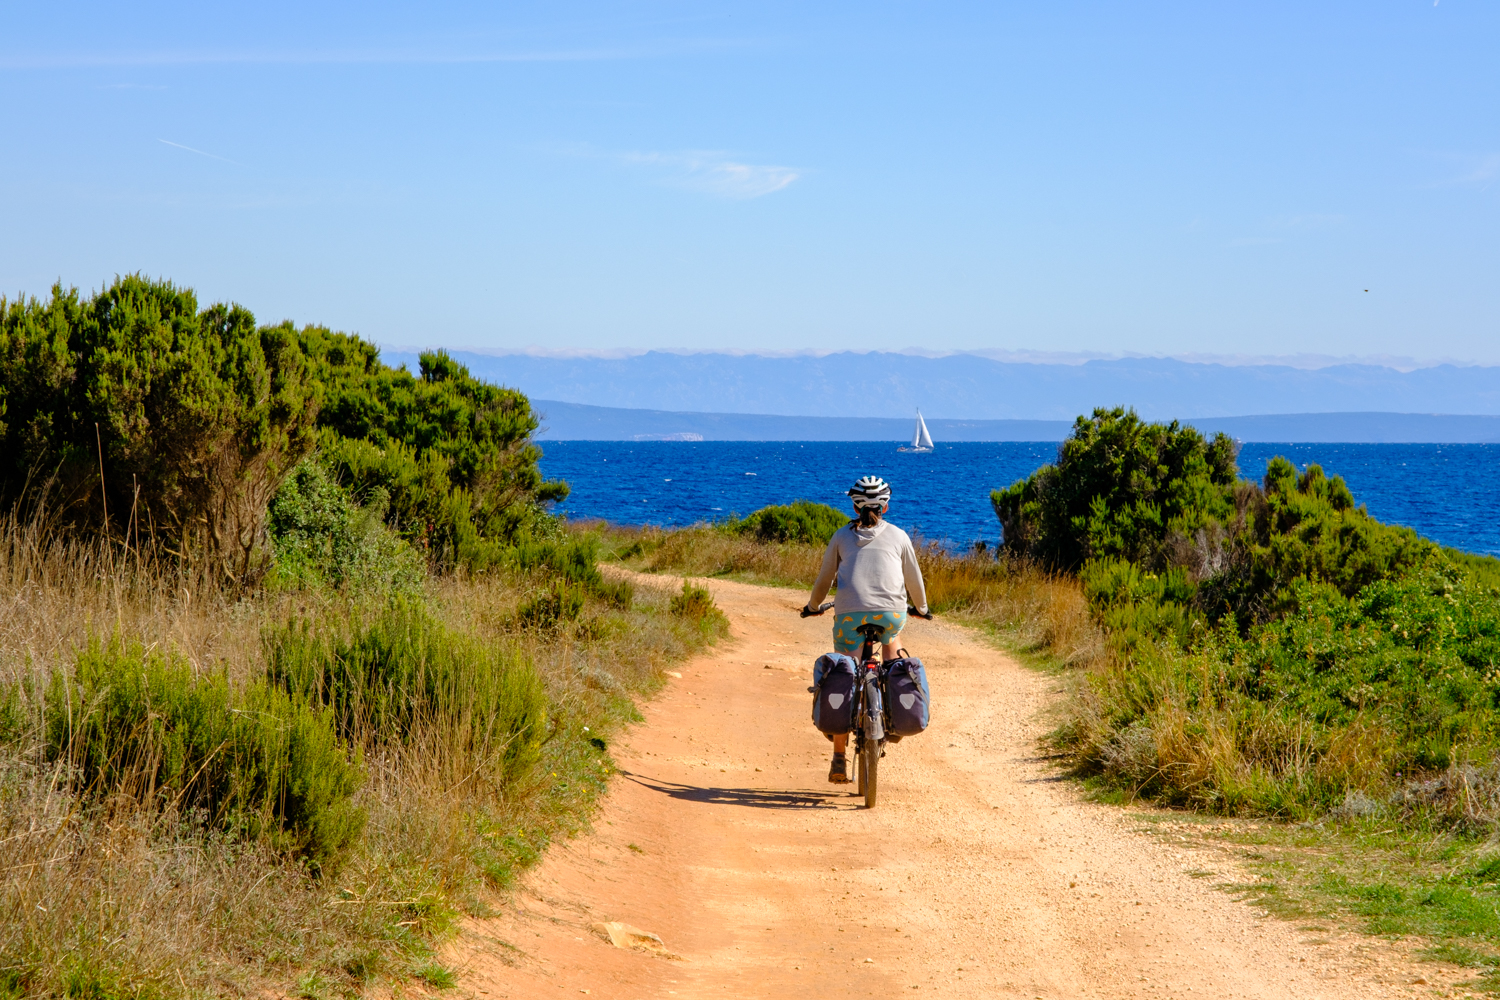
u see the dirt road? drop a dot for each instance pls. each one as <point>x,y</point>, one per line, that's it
<point>978,875</point>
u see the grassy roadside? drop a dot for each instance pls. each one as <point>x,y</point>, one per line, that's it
<point>1040,616</point>
<point>295,665</point>
<point>1429,891</point>
<point>1422,896</point>
<point>125,877</point>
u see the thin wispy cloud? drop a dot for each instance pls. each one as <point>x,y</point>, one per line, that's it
<point>190,149</point>
<point>1470,169</point>
<point>1487,170</point>
<point>716,173</point>
<point>366,56</point>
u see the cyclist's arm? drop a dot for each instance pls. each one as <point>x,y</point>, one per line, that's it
<point>915,588</point>
<point>826,575</point>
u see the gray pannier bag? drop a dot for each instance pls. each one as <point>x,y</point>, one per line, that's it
<point>909,707</point>
<point>833,694</point>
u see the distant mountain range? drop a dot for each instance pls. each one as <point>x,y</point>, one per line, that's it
<point>563,421</point>
<point>965,387</point>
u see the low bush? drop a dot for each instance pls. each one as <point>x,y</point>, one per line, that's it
<point>799,521</point>
<point>259,762</point>
<point>406,677</point>
<point>696,605</point>
<point>572,560</point>
<point>559,604</point>
<point>694,602</point>
<point>321,537</point>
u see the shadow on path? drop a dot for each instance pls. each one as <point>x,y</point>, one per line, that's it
<point>758,798</point>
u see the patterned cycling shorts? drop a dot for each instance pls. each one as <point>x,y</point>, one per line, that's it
<point>846,640</point>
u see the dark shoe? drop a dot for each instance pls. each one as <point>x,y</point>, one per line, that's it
<point>838,771</point>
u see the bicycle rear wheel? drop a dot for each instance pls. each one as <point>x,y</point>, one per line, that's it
<point>869,768</point>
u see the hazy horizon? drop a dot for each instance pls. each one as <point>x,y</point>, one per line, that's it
<point>1307,362</point>
<point>972,387</point>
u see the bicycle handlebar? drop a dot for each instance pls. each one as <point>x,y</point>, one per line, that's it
<point>807,612</point>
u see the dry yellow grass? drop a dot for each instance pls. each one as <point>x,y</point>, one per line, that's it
<point>114,898</point>
<point>1031,610</point>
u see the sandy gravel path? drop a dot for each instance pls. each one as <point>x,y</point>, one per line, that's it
<point>978,875</point>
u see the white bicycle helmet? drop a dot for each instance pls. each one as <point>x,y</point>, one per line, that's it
<point>870,491</point>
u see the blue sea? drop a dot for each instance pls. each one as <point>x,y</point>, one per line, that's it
<point>1447,492</point>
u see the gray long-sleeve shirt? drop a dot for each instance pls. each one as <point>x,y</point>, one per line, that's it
<point>876,568</point>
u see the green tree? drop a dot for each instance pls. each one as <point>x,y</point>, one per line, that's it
<point>137,414</point>
<point>1305,527</point>
<point>1121,488</point>
<point>454,454</point>
<point>152,417</point>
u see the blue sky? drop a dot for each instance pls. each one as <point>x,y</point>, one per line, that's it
<point>1161,178</point>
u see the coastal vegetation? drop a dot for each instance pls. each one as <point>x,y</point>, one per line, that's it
<point>1271,650</point>
<point>1239,651</point>
<point>296,670</point>
<point>1033,610</point>
<point>1270,647</point>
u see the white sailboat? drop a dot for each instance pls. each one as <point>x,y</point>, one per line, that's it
<point>920,439</point>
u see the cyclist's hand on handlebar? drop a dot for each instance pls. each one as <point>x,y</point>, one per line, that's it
<point>913,611</point>
<point>808,612</point>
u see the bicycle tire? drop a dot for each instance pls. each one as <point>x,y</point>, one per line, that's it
<point>869,769</point>
<point>859,772</point>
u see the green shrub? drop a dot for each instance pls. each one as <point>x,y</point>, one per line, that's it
<point>694,603</point>
<point>1121,488</point>
<point>696,606</point>
<point>1482,571</point>
<point>1419,654</point>
<point>574,560</point>
<point>258,762</point>
<point>618,593</point>
<point>1136,605</point>
<point>194,415</point>
<point>197,416</point>
<point>1271,646</point>
<point>405,676</point>
<point>454,454</point>
<point>559,604</point>
<point>1163,499</point>
<point>12,713</point>
<point>321,536</point>
<point>798,521</point>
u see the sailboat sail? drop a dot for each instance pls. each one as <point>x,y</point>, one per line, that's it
<point>920,438</point>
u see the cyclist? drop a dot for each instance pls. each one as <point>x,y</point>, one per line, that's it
<point>876,568</point>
